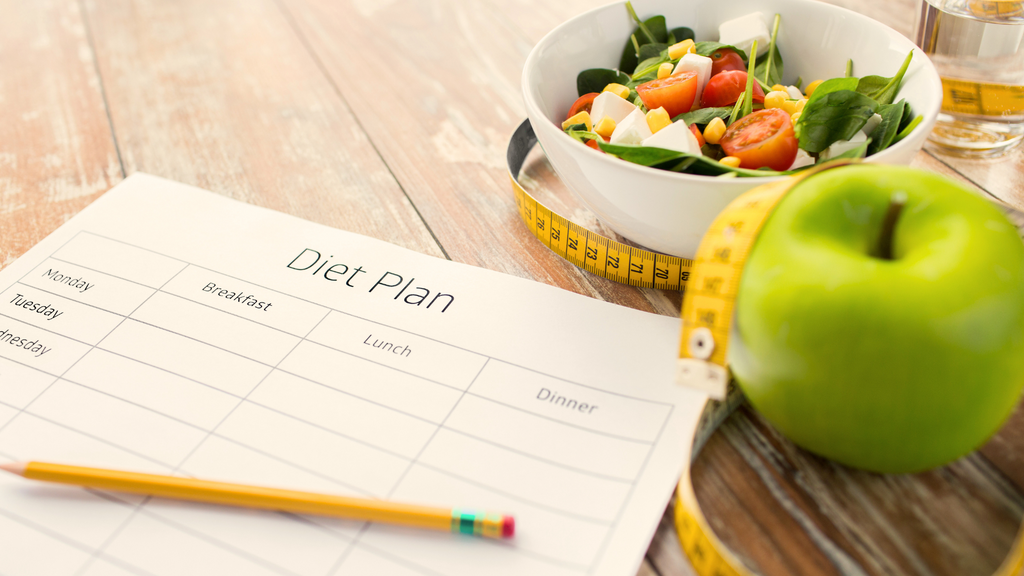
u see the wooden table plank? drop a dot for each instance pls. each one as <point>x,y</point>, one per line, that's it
<point>342,113</point>
<point>224,96</point>
<point>56,149</point>
<point>435,85</point>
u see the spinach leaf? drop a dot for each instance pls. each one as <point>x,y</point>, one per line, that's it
<point>595,79</point>
<point>704,115</point>
<point>883,90</point>
<point>883,134</point>
<point>734,114</point>
<point>653,50</point>
<point>708,48</point>
<point>642,155</point>
<point>712,151</point>
<point>679,34</point>
<point>833,85</point>
<point>748,95</point>
<point>908,115</point>
<point>857,152</point>
<point>652,56</point>
<point>678,161</point>
<point>647,31</point>
<point>835,116</point>
<point>909,128</point>
<point>580,132</point>
<point>769,65</point>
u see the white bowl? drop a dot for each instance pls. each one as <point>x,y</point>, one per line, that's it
<point>666,211</point>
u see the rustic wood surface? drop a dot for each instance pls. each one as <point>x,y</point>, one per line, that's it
<point>390,118</point>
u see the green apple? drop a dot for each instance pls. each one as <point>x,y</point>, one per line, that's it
<point>889,362</point>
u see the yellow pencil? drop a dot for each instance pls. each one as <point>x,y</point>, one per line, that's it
<point>446,519</point>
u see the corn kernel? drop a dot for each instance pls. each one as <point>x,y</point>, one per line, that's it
<point>789,106</point>
<point>680,49</point>
<point>795,117</point>
<point>810,87</point>
<point>730,161</point>
<point>605,127</point>
<point>617,89</point>
<point>665,70</point>
<point>778,88</point>
<point>581,118</point>
<point>800,104</point>
<point>658,119</point>
<point>714,130</point>
<point>775,99</point>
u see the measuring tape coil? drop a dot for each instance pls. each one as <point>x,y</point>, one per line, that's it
<point>710,283</point>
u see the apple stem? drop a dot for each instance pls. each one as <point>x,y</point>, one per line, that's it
<point>896,204</point>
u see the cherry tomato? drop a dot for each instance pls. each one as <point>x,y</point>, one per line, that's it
<point>726,87</point>
<point>675,93</point>
<point>593,144</point>
<point>582,104</point>
<point>764,138</point>
<point>696,132</point>
<point>726,59</point>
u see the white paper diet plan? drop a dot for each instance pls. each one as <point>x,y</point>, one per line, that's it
<point>170,330</point>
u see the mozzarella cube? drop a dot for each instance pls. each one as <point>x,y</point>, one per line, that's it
<point>699,64</point>
<point>741,33</point>
<point>676,136</point>
<point>802,159</point>
<point>632,130</point>
<point>871,124</point>
<point>611,105</point>
<point>793,91</point>
<point>842,146</point>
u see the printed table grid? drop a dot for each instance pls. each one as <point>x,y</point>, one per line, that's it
<point>350,543</point>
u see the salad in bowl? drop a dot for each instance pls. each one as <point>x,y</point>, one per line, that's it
<point>719,107</point>
<point>664,195</point>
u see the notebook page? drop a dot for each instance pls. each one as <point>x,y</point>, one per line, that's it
<point>170,330</point>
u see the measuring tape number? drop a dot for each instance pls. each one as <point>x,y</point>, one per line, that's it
<point>711,282</point>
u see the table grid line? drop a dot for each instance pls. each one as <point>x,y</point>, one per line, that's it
<point>629,495</point>
<point>341,560</point>
<point>306,300</point>
<point>75,363</point>
<point>140,508</point>
<point>70,541</point>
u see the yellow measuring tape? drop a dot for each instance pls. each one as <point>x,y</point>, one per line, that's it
<point>981,98</point>
<point>711,281</point>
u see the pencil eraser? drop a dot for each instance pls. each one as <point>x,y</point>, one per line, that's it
<point>508,527</point>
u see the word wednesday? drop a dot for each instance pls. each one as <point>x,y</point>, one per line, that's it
<point>386,284</point>
<point>21,342</point>
<point>48,312</point>
<point>78,283</point>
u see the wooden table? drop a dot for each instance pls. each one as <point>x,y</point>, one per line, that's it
<point>390,118</point>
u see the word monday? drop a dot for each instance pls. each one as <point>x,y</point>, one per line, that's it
<point>389,284</point>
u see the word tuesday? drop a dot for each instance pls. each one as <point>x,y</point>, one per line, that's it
<point>48,312</point>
